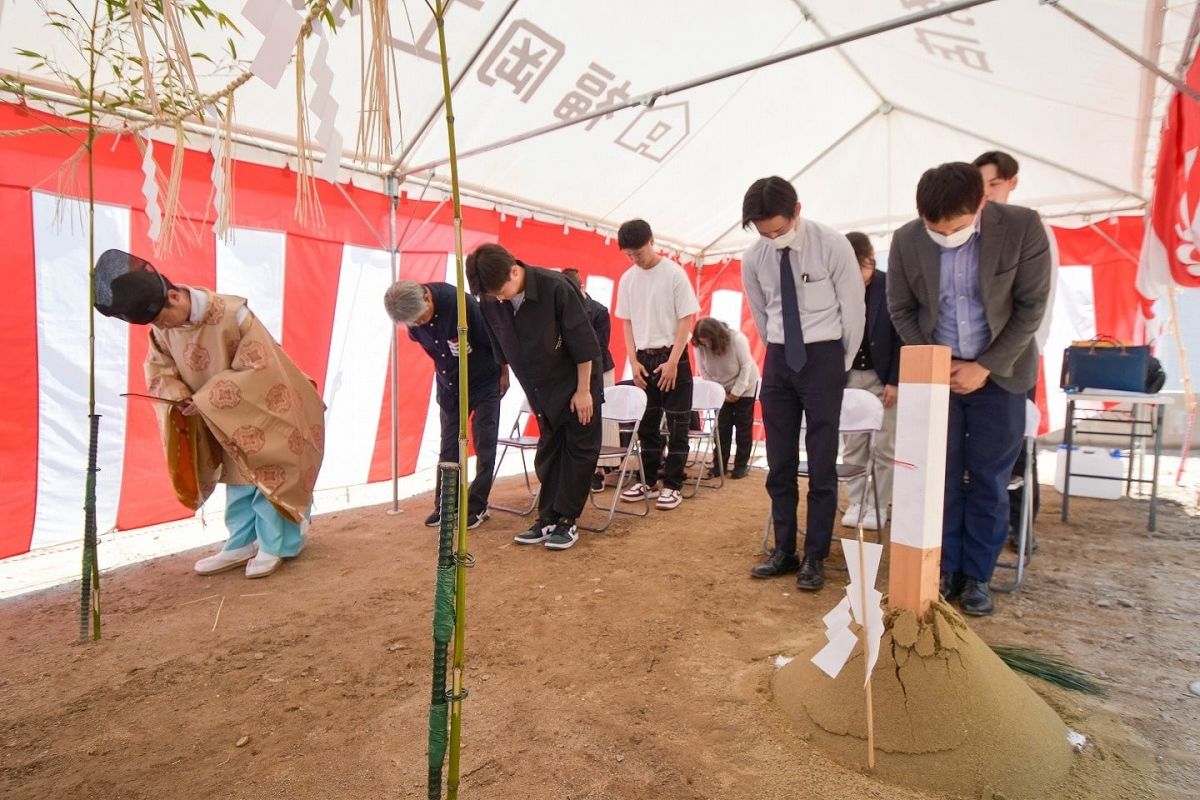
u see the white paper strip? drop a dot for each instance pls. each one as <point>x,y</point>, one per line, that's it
<point>833,656</point>
<point>325,108</point>
<point>280,25</point>
<point>150,190</point>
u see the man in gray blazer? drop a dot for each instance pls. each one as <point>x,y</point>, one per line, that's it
<point>973,277</point>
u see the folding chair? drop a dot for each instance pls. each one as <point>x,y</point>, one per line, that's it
<point>707,399</point>
<point>516,441</point>
<point>1025,538</point>
<point>862,412</point>
<point>624,405</point>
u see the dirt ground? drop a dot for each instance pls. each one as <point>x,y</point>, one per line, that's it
<point>635,665</point>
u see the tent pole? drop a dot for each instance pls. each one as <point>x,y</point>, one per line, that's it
<point>649,98</point>
<point>394,255</point>
<point>880,109</point>
<point>1146,63</point>
<point>1020,152</point>
<point>428,123</point>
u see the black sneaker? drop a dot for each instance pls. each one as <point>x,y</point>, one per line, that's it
<point>475,520</point>
<point>563,535</point>
<point>976,598</point>
<point>434,519</point>
<point>538,532</point>
<point>739,472</point>
<point>597,483</point>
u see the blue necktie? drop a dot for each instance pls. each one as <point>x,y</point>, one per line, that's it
<point>793,335</point>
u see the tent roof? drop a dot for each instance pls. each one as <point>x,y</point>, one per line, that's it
<point>853,127</point>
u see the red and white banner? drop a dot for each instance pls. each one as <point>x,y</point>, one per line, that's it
<point>320,292</point>
<point>1171,253</point>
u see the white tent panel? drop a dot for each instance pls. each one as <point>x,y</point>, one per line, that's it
<point>61,263</point>
<point>251,265</point>
<point>358,355</point>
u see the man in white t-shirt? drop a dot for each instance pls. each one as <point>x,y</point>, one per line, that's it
<point>656,306</point>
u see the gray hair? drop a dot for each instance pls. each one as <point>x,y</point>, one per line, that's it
<point>405,301</point>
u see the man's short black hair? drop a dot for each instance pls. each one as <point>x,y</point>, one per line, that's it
<point>572,274</point>
<point>768,197</point>
<point>634,234</point>
<point>1006,166</point>
<point>861,244</point>
<point>488,268</point>
<point>949,190</point>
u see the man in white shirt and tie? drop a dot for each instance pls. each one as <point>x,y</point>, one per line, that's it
<point>805,293</point>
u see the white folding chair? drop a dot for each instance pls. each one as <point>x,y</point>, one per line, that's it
<point>517,441</point>
<point>862,412</point>
<point>1025,538</point>
<point>707,399</point>
<point>625,406</point>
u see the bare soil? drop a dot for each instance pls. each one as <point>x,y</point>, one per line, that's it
<point>637,664</point>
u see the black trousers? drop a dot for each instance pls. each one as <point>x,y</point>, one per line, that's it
<point>485,421</point>
<point>814,393</point>
<point>738,414</point>
<point>565,460</point>
<point>677,405</point>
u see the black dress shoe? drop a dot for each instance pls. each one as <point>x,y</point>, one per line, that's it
<point>951,586</point>
<point>739,472</point>
<point>778,563</point>
<point>976,598</point>
<point>811,576</point>
<point>434,519</point>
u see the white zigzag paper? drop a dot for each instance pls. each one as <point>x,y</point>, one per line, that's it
<point>833,656</point>
<point>325,108</point>
<point>150,190</point>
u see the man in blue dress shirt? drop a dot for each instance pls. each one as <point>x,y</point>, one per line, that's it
<point>430,313</point>
<point>975,278</point>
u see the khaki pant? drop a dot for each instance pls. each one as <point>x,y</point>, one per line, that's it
<point>854,446</point>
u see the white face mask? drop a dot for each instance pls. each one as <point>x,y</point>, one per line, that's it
<point>956,239</point>
<point>785,240</point>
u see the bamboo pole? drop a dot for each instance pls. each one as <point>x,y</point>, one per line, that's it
<point>461,556</point>
<point>89,581</point>
<point>866,635</point>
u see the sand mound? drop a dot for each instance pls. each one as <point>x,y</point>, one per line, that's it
<point>949,715</point>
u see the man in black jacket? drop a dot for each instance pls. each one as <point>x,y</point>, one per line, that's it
<point>602,325</point>
<point>429,312</point>
<point>876,368</point>
<point>539,327</point>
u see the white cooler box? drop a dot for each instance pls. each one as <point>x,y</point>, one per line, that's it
<point>1092,461</point>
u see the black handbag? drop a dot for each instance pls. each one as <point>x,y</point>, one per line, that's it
<point>1105,363</point>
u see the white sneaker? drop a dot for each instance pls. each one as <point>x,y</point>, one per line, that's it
<point>638,492</point>
<point>851,517</point>
<point>262,565</point>
<point>868,519</point>
<point>668,499</point>
<point>225,560</point>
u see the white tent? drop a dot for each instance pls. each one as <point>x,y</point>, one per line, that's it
<point>854,126</point>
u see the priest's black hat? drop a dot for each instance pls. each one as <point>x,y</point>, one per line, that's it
<point>129,288</point>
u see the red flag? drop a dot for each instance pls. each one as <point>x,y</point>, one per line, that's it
<point>1171,252</point>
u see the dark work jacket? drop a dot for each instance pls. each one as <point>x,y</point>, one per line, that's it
<point>483,375</point>
<point>602,325</point>
<point>544,341</point>
<point>882,339</point>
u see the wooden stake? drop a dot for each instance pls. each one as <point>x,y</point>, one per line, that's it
<point>919,490</point>
<point>862,581</point>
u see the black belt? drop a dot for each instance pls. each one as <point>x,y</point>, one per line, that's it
<point>656,351</point>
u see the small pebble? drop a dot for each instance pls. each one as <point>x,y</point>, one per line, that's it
<point>242,742</point>
<point>1194,688</point>
<point>1129,636</point>
<point>485,677</point>
<point>394,646</point>
<point>259,656</point>
<point>1104,603</point>
<point>1125,601</point>
<point>558,597</point>
<point>597,591</point>
<point>1018,613</point>
<point>620,759</point>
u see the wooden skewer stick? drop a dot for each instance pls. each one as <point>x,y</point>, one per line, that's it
<point>862,580</point>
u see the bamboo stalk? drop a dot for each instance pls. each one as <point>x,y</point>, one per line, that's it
<point>460,594</point>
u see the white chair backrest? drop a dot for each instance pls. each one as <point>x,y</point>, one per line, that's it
<point>1033,419</point>
<point>707,395</point>
<point>623,404</point>
<point>861,411</point>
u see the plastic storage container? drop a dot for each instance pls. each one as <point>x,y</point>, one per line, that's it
<point>1091,461</point>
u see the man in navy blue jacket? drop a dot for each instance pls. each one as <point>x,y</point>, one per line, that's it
<point>876,368</point>
<point>430,312</point>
